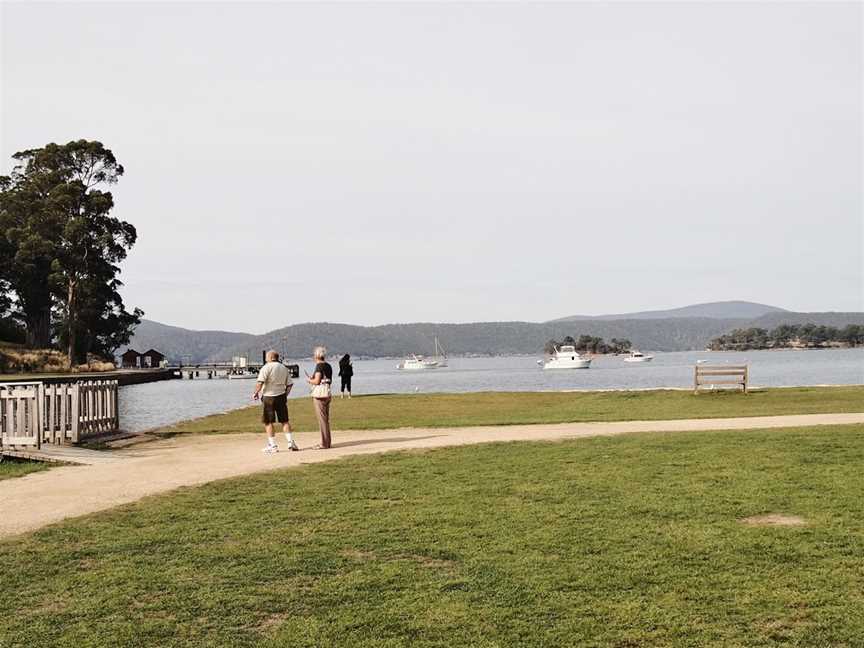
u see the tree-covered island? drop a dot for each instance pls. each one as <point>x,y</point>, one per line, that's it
<point>590,344</point>
<point>790,336</point>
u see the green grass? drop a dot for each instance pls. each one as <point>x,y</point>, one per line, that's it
<point>501,408</point>
<point>619,541</point>
<point>10,468</point>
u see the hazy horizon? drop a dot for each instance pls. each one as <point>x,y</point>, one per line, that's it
<point>377,163</point>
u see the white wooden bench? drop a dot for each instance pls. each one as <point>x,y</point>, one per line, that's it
<point>710,375</point>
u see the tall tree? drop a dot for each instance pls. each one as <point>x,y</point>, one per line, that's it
<point>56,212</point>
<point>28,227</point>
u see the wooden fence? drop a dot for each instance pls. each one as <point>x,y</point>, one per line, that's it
<point>35,413</point>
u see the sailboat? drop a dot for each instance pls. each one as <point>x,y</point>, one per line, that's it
<point>418,362</point>
<point>440,354</point>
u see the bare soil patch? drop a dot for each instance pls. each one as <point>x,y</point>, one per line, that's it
<point>775,519</point>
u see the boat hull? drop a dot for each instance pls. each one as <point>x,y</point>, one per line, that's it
<point>566,364</point>
<point>424,365</point>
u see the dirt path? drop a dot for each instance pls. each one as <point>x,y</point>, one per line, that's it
<point>38,499</point>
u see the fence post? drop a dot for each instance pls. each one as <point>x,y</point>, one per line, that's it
<point>40,419</point>
<point>76,408</point>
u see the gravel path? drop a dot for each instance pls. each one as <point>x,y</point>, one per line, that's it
<point>38,499</point>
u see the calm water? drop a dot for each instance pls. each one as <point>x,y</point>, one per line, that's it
<point>152,405</point>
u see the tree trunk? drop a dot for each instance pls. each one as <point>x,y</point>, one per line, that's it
<point>38,324</point>
<point>70,322</point>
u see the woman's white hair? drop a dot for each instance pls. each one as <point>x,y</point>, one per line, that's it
<point>319,353</point>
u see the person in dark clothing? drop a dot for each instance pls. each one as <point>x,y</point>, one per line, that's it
<point>346,370</point>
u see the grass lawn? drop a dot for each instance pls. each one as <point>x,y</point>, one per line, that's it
<point>621,541</point>
<point>510,408</point>
<point>10,468</point>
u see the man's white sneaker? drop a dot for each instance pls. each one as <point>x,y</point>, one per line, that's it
<point>270,449</point>
<point>292,446</point>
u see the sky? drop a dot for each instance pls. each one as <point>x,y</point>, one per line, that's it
<point>400,162</point>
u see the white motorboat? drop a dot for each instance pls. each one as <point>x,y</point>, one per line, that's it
<point>565,357</point>
<point>242,376</point>
<point>638,356</point>
<point>417,363</point>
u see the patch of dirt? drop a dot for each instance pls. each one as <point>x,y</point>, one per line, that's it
<point>270,622</point>
<point>353,554</point>
<point>775,519</point>
<point>432,563</point>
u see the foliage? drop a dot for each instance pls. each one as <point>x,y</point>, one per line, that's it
<point>611,541</point>
<point>64,247</point>
<point>589,344</point>
<point>11,330</point>
<point>790,335</point>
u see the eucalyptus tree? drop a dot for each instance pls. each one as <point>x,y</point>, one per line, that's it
<point>56,215</point>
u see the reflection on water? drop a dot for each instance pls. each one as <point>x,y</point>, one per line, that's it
<point>152,405</point>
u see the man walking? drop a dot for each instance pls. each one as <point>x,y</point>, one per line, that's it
<point>273,386</point>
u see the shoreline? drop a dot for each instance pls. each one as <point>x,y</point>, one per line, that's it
<point>166,430</point>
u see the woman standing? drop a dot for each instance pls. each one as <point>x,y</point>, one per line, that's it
<point>346,370</point>
<point>320,380</point>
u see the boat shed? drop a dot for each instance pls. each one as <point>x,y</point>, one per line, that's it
<point>130,359</point>
<point>152,359</point>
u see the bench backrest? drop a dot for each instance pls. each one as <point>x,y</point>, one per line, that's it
<point>727,374</point>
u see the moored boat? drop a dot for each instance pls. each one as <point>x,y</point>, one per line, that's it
<point>417,363</point>
<point>565,357</point>
<point>242,376</point>
<point>638,356</point>
<point>440,354</point>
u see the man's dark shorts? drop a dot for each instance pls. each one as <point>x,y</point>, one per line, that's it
<point>275,407</point>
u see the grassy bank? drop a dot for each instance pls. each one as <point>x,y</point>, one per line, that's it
<point>18,362</point>
<point>10,468</point>
<point>622,541</point>
<point>500,408</point>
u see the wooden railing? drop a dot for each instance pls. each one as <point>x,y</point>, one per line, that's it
<point>35,413</point>
<point>20,423</point>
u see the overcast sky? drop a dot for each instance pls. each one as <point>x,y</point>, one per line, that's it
<point>405,162</point>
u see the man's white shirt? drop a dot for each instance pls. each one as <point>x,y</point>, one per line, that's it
<point>276,379</point>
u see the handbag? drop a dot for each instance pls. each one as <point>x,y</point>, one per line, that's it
<point>322,389</point>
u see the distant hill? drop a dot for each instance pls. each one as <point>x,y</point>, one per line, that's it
<point>391,340</point>
<point>177,343</point>
<point>483,338</point>
<point>838,319</point>
<point>487,338</point>
<point>715,310</point>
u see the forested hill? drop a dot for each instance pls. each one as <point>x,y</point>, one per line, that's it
<point>718,310</point>
<point>493,338</point>
<point>178,343</point>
